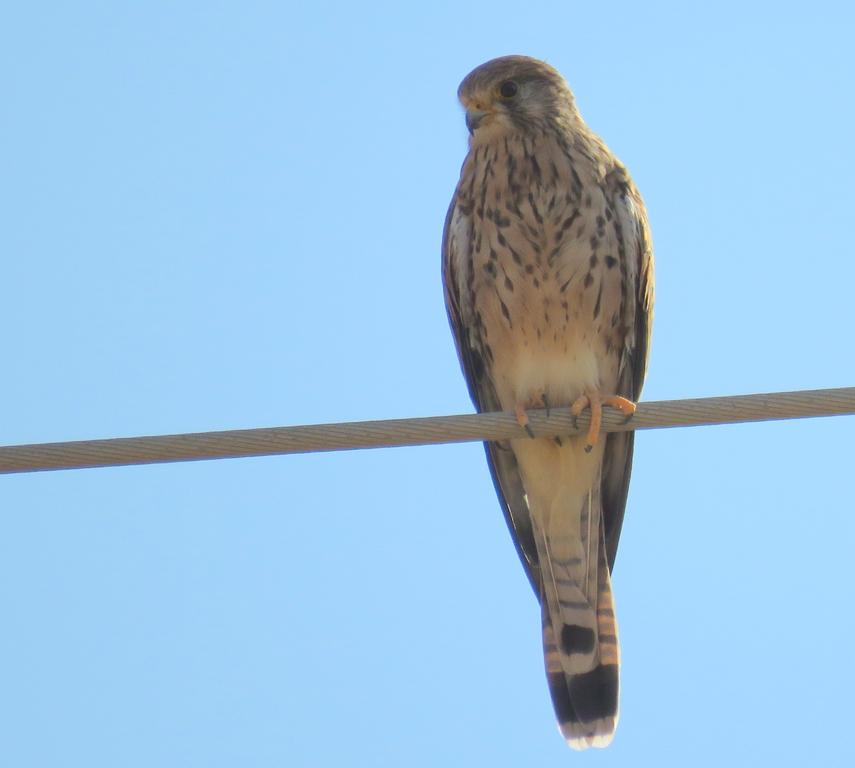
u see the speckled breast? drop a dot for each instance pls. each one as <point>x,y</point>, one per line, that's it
<point>548,279</point>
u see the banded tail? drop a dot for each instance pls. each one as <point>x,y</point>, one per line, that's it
<point>580,642</point>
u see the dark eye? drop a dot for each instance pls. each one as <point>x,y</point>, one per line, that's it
<point>508,89</point>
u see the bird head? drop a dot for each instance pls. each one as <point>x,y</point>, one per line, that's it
<point>514,94</point>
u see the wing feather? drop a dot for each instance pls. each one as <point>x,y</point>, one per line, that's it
<point>617,462</point>
<point>456,262</point>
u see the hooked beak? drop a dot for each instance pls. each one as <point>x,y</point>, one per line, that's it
<point>474,118</point>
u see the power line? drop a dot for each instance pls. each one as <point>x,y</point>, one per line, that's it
<point>237,443</point>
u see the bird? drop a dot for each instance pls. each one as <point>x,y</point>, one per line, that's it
<point>548,278</point>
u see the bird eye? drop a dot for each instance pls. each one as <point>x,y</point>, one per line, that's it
<point>508,89</point>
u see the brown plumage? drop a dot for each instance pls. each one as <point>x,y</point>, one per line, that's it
<point>548,273</point>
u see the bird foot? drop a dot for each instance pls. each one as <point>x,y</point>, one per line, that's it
<point>595,401</point>
<point>522,416</point>
<point>522,419</point>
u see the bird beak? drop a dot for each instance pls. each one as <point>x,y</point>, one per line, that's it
<point>474,118</point>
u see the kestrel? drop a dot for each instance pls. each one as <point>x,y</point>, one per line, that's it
<point>548,273</point>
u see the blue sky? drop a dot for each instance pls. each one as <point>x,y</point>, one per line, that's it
<point>222,215</point>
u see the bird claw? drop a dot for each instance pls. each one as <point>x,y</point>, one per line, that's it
<point>523,420</point>
<point>595,401</point>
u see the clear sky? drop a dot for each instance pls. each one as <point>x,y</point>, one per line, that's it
<point>224,215</point>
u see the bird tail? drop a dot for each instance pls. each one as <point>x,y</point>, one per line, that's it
<point>580,641</point>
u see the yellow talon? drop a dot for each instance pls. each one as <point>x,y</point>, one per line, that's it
<point>595,402</point>
<point>522,419</point>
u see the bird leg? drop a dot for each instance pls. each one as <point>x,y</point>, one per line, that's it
<point>595,401</point>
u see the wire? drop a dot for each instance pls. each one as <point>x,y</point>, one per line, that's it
<point>198,446</point>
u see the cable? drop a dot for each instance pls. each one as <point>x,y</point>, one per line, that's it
<point>125,451</point>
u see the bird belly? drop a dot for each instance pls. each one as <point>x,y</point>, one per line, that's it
<point>539,358</point>
<point>549,339</point>
<point>543,344</point>
<point>547,297</point>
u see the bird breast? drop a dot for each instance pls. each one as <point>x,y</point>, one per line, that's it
<point>546,286</point>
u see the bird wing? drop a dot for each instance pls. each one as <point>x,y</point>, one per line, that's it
<point>456,268</point>
<point>634,237</point>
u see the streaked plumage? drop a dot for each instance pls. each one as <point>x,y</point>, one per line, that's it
<point>548,273</point>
